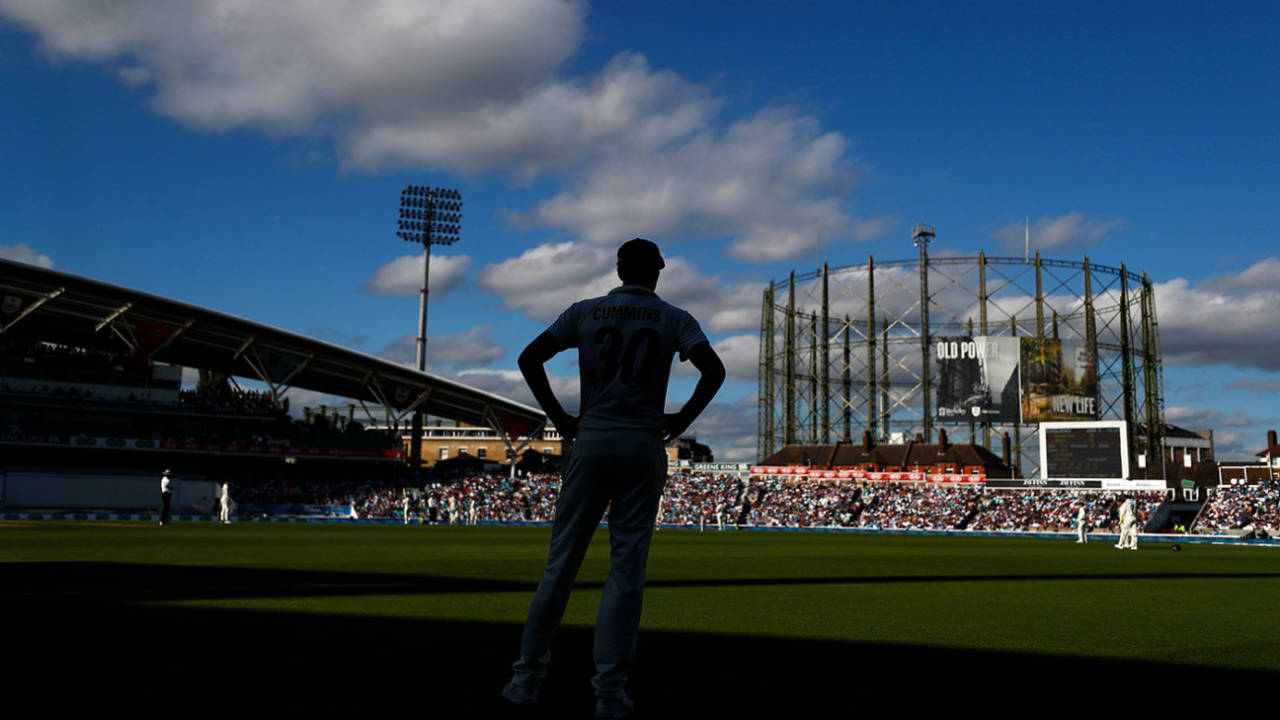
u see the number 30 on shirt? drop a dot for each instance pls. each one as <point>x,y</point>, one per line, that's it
<point>634,357</point>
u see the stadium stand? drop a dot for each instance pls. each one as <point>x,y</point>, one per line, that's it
<point>1242,510</point>
<point>691,499</point>
<point>91,388</point>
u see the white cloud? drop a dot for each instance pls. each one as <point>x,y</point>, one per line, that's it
<point>471,348</point>
<point>872,228</point>
<point>23,253</point>
<point>625,108</point>
<point>133,76</point>
<point>718,307</point>
<point>546,279</point>
<point>280,65</point>
<point>402,277</point>
<point>1072,230</point>
<point>740,355</point>
<point>729,429</point>
<point>511,384</point>
<point>477,86</point>
<point>1254,385</point>
<point>1221,321</point>
<point>771,180</point>
<point>1236,436</point>
<point>1263,275</point>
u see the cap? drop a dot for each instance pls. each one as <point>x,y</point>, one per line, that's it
<point>168,472</point>
<point>639,253</point>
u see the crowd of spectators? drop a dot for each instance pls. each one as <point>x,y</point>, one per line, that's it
<point>1241,508</point>
<point>54,391</point>
<point>1055,510</point>
<point>706,500</point>
<point>82,393</point>
<point>46,356</point>
<point>919,506</point>
<point>243,402</point>
<point>701,499</point>
<point>254,427</point>
<point>491,497</point>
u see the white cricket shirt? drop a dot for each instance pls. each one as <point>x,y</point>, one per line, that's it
<point>625,343</point>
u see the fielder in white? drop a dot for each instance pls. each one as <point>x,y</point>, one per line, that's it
<point>1128,525</point>
<point>1136,530</point>
<point>166,496</point>
<point>625,343</point>
<point>224,512</point>
<point>1082,520</point>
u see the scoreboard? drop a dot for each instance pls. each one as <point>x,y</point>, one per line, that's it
<point>1084,452</point>
<point>1091,454</point>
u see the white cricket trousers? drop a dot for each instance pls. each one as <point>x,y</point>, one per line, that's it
<point>1128,535</point>
<point>626,474</point>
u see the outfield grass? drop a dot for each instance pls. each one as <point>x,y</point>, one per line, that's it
<point>793,612</point>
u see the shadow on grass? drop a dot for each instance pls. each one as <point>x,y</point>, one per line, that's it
<point>129,582</point>
<point>79,633</point>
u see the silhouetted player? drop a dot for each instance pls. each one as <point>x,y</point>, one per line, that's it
<point>625,343</point>
<point>166,495</point>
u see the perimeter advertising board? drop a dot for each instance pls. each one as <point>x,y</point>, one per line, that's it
<point>977,379</point>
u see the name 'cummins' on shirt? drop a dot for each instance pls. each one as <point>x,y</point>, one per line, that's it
<point>625,343</point>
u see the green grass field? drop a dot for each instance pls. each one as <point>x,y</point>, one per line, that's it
<point>733,620</point>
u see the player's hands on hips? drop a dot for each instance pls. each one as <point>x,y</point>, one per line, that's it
<point>674,425</point>
<point>567,425</point>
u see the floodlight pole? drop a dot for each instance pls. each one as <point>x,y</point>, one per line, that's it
<point>427,215</point>
<point>416,429</point>
<point>422,307</point>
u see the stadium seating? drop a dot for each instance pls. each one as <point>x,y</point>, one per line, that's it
<point>690,500</point>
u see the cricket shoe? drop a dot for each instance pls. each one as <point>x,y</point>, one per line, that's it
<point>518,694</point>
<point>615,707</point>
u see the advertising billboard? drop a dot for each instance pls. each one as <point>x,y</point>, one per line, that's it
<point>1059,380</point>
<point>977,379</point>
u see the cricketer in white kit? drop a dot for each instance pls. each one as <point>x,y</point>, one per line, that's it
<point>625,342</point>
<point>1128,526</point>
<point>224,509</point>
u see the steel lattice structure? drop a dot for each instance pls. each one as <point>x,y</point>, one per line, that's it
<point>846,349</point>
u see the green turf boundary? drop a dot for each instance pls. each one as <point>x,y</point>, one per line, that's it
<point>1094,537</point>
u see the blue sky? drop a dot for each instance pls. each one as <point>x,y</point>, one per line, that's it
<point>249,158</point>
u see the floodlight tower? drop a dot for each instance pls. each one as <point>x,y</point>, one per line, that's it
<point>921,236</point>
<point>431,216</point>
